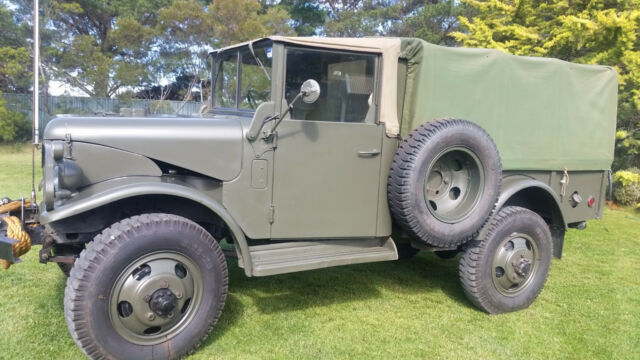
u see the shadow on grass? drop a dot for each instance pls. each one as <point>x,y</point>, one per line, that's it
<point>317,288</point>
<point>296,291</point>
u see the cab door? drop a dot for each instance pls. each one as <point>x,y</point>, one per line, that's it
<point>327,158</point>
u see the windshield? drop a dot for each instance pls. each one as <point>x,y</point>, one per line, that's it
<point>254,71</point>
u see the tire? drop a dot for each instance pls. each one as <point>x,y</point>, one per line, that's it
<point>406,251</point>
<point>519,239</point>
<point>444,182</point>
<point>150,286</point>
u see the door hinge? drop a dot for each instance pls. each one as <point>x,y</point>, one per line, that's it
<point>272,211</point>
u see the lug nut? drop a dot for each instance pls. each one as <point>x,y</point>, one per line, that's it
<point>147,298</point>
<point>151,316</point>
<point>164,284</point>
<point>170,315</point>
<point>179,295</point>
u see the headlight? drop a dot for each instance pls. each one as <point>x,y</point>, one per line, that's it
<point>69,175</point>
<point>61,176</point>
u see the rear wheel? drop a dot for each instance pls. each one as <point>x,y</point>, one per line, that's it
<point>507,270</point>
<point>150,286</point>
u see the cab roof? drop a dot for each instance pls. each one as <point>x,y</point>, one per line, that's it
<point>366,44</point>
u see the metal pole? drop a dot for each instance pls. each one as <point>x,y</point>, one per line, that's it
<point>36,64</point>
<point>36,100</point>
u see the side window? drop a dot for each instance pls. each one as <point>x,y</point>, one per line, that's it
<point>227,81</point>
<point>347,83</point>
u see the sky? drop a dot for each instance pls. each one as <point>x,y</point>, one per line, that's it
<point>58,88</point>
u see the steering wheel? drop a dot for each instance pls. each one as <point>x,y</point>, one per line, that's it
<point>255,97</point>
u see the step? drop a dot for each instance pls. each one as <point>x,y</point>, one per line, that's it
<point>296,256</point>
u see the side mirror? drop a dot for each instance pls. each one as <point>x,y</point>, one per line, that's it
<point>310,91</point>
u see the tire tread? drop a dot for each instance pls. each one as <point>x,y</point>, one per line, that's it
<point>470,265</point>
<point>399,191</point>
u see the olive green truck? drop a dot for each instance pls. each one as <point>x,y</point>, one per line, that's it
<point>319,152</point>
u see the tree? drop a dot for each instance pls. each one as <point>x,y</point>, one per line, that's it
<point>307,16</point>
<point>14,126</point>
<point>15,59</point>
<point>97,46</point>
<point>363,17</point>
<point>431,20</point>
<point>434,21</point>
<point>591,32</point>
<point>189,29</point>
<point>242,20</point>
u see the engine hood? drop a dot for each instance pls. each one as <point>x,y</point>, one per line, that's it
<point>210,146</point>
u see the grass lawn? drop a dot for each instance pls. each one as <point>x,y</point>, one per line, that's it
<point>589,309</point>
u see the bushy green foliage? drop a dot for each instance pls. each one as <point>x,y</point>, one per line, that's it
<point>14,126</point>
<point>626,189</point>
<point>627,152</point>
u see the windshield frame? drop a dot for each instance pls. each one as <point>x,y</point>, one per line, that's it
<point>215,67</point>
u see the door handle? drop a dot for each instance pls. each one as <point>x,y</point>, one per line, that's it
<point>368,153</point>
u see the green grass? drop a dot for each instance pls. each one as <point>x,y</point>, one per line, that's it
<point>590,307</point>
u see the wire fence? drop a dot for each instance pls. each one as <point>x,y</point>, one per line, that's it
<point>57,105</point>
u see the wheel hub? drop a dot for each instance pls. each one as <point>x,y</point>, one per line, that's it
<point>453,184</point>
<point>515,263</point>
<point>155,297</point>
<point>163,302</point>
<point>522,267</point>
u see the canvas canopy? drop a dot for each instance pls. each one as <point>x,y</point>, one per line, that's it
<point>543,114</point>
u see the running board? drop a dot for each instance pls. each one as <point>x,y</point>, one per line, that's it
<point>296,256</point>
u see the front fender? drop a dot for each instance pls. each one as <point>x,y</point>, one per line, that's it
<point>107,192</point>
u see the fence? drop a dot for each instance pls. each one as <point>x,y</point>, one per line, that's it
<point>56,105</point>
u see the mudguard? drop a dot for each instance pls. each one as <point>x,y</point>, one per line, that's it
<point>511,185</point>
<point>109,191</point>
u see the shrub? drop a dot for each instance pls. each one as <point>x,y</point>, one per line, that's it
<point>14,126</point>
<point>627,187</point>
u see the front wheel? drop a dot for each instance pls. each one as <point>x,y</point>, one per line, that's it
<point>150,286</point>
<point>507,270</point>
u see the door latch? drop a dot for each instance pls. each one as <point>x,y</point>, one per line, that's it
<point>368,153</point>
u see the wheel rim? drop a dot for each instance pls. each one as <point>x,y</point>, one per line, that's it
<point>453,184</point>
<point>155,297</point>
<point>515,264</point>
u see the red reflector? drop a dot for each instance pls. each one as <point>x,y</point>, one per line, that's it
<point>591,201</point>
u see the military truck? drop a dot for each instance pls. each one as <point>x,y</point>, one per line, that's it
<point>319,152</point>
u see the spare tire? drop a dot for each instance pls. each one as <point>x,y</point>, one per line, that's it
<point>444,182</point>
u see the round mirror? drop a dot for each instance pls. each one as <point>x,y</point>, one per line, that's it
<point>310,90</point>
